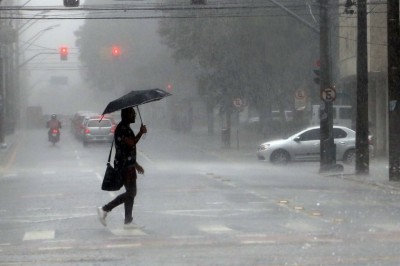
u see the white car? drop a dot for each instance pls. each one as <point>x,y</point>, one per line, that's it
<point>305,146</point>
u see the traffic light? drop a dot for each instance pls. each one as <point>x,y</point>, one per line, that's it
<point>198,2</point>
<point>64,53</point>
<point>317,78</point>
<point>349,7</point>
<point>317,72</point>
<point>116,51</point>
<point>71,3</point>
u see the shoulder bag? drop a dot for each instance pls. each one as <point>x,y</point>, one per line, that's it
<point>113,179</point>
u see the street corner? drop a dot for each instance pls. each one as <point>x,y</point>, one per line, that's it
<point>392,186</point>
<point>370,180</point>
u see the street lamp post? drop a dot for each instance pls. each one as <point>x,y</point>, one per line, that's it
<point>9,70</point>
<point>37,36</point>
<point>21,63</point>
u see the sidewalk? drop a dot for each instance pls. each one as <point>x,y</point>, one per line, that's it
<point>5,151</point>
<point>378,175</point>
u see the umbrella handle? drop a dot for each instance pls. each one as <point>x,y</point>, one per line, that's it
<point>140,116</point>
<point>141,121</point>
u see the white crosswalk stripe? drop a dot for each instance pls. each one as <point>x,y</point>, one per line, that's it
<point>39,235</point>
<point>128,232</point>
<point>215,229</point>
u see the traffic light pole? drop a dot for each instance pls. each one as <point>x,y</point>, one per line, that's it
<point>327,145</point>
<point>393,38</point>
<point>2,127</point>
<point>362,145</point>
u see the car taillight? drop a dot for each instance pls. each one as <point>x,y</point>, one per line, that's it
<point>112,130</point>
<point>87,131</point>
<point>54,131</point>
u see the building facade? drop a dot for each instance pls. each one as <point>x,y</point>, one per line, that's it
<point>377,66</point>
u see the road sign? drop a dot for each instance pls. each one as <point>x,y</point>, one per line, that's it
<point>237,102</point>
<point>328,94</point>
<point>300,94</point>
<point>300,99</point>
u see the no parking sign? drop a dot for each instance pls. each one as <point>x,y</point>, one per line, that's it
<point>237,102</point>
<point>328,94</point>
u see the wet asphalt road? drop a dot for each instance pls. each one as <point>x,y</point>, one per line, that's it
<point>193,208</point>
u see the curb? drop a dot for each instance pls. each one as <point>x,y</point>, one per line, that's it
<point>360,179</point>
<point>246,154</point>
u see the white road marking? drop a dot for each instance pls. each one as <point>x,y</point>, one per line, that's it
<point>215,203</point>
<point>215,229</point>
<point>124,245</point>
<point>55,248</point>
<point>128,232</point>
<point>259,242</point>
<point>42,195</point>
<point>39,235</point>
<point>53,241</point>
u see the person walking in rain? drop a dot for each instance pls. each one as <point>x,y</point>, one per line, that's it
<point>125,161</point>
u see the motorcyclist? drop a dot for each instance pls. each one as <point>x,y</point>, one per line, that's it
<point>53,123</point>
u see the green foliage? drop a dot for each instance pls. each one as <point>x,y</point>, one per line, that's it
<point>258,58</point>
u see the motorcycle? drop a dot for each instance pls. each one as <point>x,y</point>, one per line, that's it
<point>54,136</point>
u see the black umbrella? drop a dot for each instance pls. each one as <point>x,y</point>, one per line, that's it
<point>134,99</point>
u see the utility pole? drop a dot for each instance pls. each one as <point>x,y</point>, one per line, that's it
<point>2,84</point>
<point>327,145</point>
<point>362,145</point>
<point>2,101</point>
<point>393,39</point>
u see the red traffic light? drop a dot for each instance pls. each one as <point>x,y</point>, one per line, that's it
<point>116,51</point>
<point>64,53</point>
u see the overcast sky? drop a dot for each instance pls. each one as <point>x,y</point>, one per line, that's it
<point>39,37</point>
<point>42,36</point>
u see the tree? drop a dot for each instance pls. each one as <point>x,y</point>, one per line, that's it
<point>259,58</point>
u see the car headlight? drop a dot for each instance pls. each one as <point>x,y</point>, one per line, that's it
<point>263,147</point>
